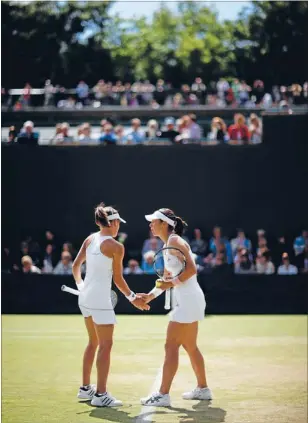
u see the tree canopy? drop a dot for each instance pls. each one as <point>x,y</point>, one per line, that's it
<point>72,40</point>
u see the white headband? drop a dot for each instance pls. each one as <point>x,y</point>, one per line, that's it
<point>159,215</point>
<point>116,216</point>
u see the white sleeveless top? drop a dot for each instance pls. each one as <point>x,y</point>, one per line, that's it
<point>98,280</point>
<point>191,285</point>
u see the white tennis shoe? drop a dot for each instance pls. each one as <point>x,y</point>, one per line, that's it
<point>86,394</point>
<point>198,394</point>
<point>157,400</point>
<point>105,400</point>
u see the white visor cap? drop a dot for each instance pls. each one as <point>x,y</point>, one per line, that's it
<point>116,216</point>
<point>159,215</point>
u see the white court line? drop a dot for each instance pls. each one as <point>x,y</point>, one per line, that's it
<point>147,412</point>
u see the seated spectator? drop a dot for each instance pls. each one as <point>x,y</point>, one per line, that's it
<point>69,103</point>
<point>286,268</point>
<point>218,130</point>
<point>244,264</point>
<point>169,131</point>
<point>255,129</point>
<point>85,136</point>
<point>195,128</point>
<point>151,244</point>
<point>264,265</point>
<point>27,135</point>
<point>64,137</point>
<point>238,254</point>
<point>200,89</point>
<point>120,136</point>
<point>133,268</point>
<point>147,263</point>
<point>262,245</point>
<point>198,245</point>
<point>57,135</point>
<point>217,240</point>
<point>48,260</point>
<point>68,247</point>
<point>190,130</point>
<point>64,267</point>
<point>152,129</point>
<point>300,242</point>
<point>135,135</point>
<point>240,242</point>
<point>108,137</point>
<point>239,131</point>
<point>27,265</point>
<point>82,91</point>
<point>49,238</point>
<point>282,246</point>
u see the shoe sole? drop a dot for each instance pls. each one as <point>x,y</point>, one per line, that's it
<point>197,399</point>
<point>106,406</point>
<point>155,405</point>
<point>82,397</point>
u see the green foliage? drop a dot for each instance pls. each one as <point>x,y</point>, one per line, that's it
<point>73,40</point>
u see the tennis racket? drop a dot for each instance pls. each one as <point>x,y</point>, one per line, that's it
<point>169,263</point>
<point>114,296</point>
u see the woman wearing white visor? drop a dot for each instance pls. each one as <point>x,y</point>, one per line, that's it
<point>189,309</point>
<point>104,257</point>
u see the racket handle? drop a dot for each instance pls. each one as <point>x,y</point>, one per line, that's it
<point>70,290</point>
<point>168,299</point>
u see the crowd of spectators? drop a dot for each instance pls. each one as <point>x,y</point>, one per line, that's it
<point>217,254</point>
<point>230,92</point>
<point>178,131</point>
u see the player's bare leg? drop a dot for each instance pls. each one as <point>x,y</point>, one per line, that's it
<point>202,391</point>
<point>87,391</point>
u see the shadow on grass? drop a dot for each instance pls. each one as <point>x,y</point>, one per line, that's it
<point>202,412</point>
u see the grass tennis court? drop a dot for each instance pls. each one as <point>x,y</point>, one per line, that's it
<point>256,365</point>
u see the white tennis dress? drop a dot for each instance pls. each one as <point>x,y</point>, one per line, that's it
<point>95,298</point>
<point>188,297</point>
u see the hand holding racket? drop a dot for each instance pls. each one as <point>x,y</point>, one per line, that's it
<point>169,264</point>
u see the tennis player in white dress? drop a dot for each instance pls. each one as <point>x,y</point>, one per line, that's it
<point>188,311</point>
<point>104,257</point>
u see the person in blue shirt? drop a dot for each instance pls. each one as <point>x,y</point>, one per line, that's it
<point>135,135</point>
<point>108,137</point>
<point>300,242</point>
<point>217,240</point>
<point>147,263</point>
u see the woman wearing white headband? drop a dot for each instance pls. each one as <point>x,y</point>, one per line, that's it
<point>183,325</point>
<point>104,257</point>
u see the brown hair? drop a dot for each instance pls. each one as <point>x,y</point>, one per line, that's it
<point>101,214</point>
<point>179,222</point>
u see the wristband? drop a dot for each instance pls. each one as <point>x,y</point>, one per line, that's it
<point>156,291</point>
<point>80,285</point>
<point>131,297</point>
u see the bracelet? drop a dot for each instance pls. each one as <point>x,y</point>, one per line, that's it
<point>156,292</point>
<point>80,285</point>
<point>132,296</point>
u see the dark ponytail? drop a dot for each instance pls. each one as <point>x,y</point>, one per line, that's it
<point>101,216</point>
<point>180,225</point>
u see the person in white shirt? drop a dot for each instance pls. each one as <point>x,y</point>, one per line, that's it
<point>287,268</point>
<point>28,266</point>
<point>104,257</point>
<point>264,264</point>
